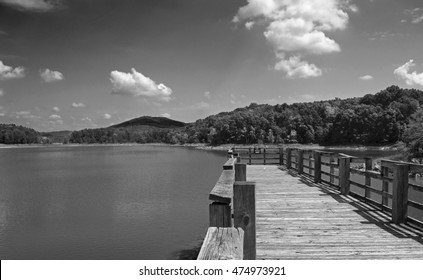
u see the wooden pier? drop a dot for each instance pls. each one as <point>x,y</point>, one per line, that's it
<point>302,204</point>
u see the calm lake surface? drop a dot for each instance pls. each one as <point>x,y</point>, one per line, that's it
<point>104,202</point>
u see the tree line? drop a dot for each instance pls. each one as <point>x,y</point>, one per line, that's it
<point>389,116</point>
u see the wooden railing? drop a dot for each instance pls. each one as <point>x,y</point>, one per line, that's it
<point>232,227</point>
<point>231,234</point>
<point>391,183</point>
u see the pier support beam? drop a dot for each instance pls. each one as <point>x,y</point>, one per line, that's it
<point>300,161</point>
<point>288,158</point>
<point>240,172</point>
<point>344,175</point>
<point>244,205</point>
<point>317,167</point>
<point>220,215</point>
<point>400,194</point>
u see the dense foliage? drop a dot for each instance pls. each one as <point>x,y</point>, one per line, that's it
<point>373,119</point>
<point>13,134</point>
<point>413,135</point>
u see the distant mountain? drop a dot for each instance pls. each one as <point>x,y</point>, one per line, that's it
<point>150,122</point>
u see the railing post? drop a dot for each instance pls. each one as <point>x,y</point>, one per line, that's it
<point>220,215</point>
<point>300,161</point>
<point>344,175</point>
<point>240,172</point>
<point>332,168</point>
<point>310,163</point>
<point>288,158</point>
<point>400,194</point>
<point>230,152</point>
<point>244,206</point>
<point>280,156</point>
<point>264,156</point>
<point>385,186</point>
<point>368,180</point>
<point>249,156</point>
<point>317,166</point>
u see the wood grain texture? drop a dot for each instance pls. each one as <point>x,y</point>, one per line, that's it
<point>298,219</point>
<point>222,191</point>
<point>244,206</point>
<point>222,244</point>
<point>220,215</point>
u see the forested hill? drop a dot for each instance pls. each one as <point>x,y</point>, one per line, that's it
<point>381,118</point>
<point>391,115</point>
<point>373,119</point>
<point>147,121</point>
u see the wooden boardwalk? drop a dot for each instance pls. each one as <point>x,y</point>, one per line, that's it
<point>297,219</point>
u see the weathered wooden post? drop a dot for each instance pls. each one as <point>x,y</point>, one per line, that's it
<point>249,156</point>
<point>344,175</point>
<point>310,163</point>
<point>332,168</point>
<point>400,194</point>
<point>240,172</point>
<point>317,166</point>
<point>288,158</point>
<point>264,156</point>
<point>300,161</point>
<point>220,215</point>
<point>385,185</point>
<point>230,152</point>
<point>244,206</point>
<point>280,156</point>
<point>368,180</point>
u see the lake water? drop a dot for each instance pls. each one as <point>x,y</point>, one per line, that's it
<point>104,202</point>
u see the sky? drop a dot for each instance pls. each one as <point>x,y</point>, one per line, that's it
<point>74,64</point>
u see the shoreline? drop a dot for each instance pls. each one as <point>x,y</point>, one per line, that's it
<point>223,147</point>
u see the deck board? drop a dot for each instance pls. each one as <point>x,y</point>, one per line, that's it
<point>297,219</point>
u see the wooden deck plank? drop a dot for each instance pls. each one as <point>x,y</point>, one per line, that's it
<point>298,219</point>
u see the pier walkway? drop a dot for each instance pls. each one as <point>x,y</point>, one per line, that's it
<point>309,204</point>
<point>298,219</point>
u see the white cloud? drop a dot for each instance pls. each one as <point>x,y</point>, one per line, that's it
<point>166,115</point>
<point>307,97</point>
<point>298,27</point>
<point>8,72</point>
<point>1,92</point>
<point>412,78</point>
<point>136,84</point>
<point>249,24</point>
<point>416,15</point>
<point>56,109</point>
<point>299,35</point>
<point>207,94</point>
<point>366,77</point>
<point>50,76</point>
<point>78,105</point>
<point>33,5</point>
<point>295,68</point>
<point>107,116</point>
<point>54,117</point>
<point>26,115</point>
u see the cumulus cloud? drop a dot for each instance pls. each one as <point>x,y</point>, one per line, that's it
<point>107,116</point>
<point>207,94</point>
<point>416,15</point>
<point>410,78</point>
<point>8,72</point>
<point>50,76</point>
<point>56,109</point>
<point>298,28</point>
<point>54,117</point>
<point>366,77</point>
<point>166,115</point>
<point>295,68</point>
<point>136,84</point>
<point>33,5</point>
<point>78,105</point>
